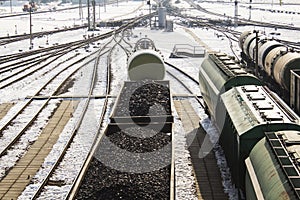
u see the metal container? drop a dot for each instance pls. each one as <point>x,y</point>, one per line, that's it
<point>252,47</point>
<point>265,49</point>
<point>270,59</point>
<point>162,13</point>
<point>251,111</point>
<point>219,73</point>
<point>169,26</point>
<point>243,37</point>
<point>295,90</point>
<point>270,165</point>
<point>248,41</point>
<point>146,64</point>
<point>283,66</point>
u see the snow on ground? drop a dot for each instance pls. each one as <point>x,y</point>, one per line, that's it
<point>164,41</point>
<point>227,9</point>
<point>67,18</point>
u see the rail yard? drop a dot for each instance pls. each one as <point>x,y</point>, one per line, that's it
<point>176,99</point>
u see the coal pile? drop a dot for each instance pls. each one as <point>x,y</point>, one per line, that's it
<point>139,140</point>
<point>133,159</point>
<point>114,172</point>
<point>104,183</point>
<point>144,99</point>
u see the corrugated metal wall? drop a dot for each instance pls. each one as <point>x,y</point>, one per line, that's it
<point>295,90</point>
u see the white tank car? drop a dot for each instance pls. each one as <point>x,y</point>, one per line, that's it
<point>146,62</point>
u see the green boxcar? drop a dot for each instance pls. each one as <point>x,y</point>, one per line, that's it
<point>251,111</point>
<point>219,73</point>
<point>272,167</point>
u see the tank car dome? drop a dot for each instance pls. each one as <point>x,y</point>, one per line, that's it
<point>146,64</point>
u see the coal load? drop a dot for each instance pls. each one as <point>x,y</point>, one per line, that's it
<point>144,99</point>
<point>134,156</point>
<point>103,183</point>
<point>116,172</point>
<point>139,140</point>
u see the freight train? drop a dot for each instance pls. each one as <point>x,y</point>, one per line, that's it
<point>274,58</point>
<point>137,143</point>
<point>252,120</point>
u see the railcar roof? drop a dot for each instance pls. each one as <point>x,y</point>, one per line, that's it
<point>250,106</point>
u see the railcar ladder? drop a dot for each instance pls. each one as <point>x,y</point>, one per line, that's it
<point>285,161</point>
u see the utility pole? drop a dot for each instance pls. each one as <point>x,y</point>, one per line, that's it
<point>99,9</point>
<point>148,2</point>
<point>250,7</point>
<point>80,10</point>
<point>94,14</point>
<point>30,28</point>
<point>91,16</point>
<point>256,53</point>
<point>10,6</point>
<point>235,13</point>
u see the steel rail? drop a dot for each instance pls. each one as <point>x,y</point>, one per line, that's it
<point>17,137</point>
<point>198,98</point>
<point>76,184</point>
<point>77,180</point>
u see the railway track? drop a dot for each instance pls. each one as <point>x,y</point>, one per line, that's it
<point>16,38</point>
<point>49,87</point>
<point>50,133</point>
<point>230,34</point>
<point>40,92</point>
<point>42,57</point>
<point>91,39</point>
<point>53,178</point>
<point>183,78</point>
<point>50,180</point>
<point>243,21</point>
<point>104,115</point>
<point>203,146</point>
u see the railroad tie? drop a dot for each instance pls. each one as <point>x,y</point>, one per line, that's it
<point>4,108</point>
<point>13,184</point>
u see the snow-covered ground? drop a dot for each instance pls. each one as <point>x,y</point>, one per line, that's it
<point>164,41</point>
<point>19,25</point>
<point>227,9</point>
